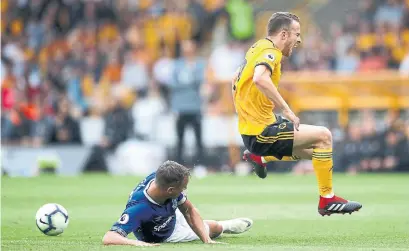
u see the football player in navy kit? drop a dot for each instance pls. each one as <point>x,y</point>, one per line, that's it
<point>159,211</point>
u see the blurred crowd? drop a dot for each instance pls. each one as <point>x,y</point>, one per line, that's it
<point>128,61</point>
<point>367,146</point>
<point>374,37</point>
<point>369,149</point>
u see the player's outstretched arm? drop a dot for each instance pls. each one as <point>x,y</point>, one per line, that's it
<point>263,81</point>
<point>113,238</point>
<point>195,221</point>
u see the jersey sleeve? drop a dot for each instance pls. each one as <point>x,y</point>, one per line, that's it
<point>269,58</point>
<point>130,220</point>
<point>181,199</point>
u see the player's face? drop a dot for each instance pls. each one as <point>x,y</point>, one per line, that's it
<point>174,192</point>
<point>293,38</point>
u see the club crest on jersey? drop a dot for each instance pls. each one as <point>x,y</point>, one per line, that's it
<point>282,125</point>
<point>124,219</point>
<point>270,57</point>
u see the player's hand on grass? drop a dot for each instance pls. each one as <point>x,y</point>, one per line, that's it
<point>214,242</point>
<point>145,244</point>
<point>291,116</point>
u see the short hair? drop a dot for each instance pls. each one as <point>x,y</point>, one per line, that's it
<point>171,173</point>
<point>279,21</point>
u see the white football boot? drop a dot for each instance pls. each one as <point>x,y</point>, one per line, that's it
<point>236,226</point>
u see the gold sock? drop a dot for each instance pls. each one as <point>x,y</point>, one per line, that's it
<point>322,163</point>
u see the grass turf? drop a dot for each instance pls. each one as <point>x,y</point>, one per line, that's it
<point>283,207</point>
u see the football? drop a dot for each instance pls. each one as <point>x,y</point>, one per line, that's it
<point>52,219</point>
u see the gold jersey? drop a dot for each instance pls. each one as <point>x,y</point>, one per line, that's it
<point>254,109</point>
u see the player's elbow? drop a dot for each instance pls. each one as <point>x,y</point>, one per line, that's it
<point>259,81</point>
<point>108,238</point>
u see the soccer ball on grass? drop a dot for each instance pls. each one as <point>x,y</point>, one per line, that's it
<point>52,219</point>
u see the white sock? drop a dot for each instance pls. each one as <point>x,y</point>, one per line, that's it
<point>328,196</point>
<point>225,225</point>
<point>263,160</point>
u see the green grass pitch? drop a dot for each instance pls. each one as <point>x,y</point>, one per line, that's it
<point>283,207</point>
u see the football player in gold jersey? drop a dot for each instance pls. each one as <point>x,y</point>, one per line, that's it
<point>269,137</point>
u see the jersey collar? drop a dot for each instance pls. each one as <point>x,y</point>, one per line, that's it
<point>271,42</point>
<point>147,195</point>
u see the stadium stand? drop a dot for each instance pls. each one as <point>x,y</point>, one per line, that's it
<point>100,72</point>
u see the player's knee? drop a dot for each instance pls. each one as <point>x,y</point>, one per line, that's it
<point>325,138</point>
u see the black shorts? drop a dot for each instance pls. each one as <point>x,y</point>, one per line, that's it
<point>276,140</point>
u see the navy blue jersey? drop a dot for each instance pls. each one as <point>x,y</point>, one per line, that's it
<point>149,221</point>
